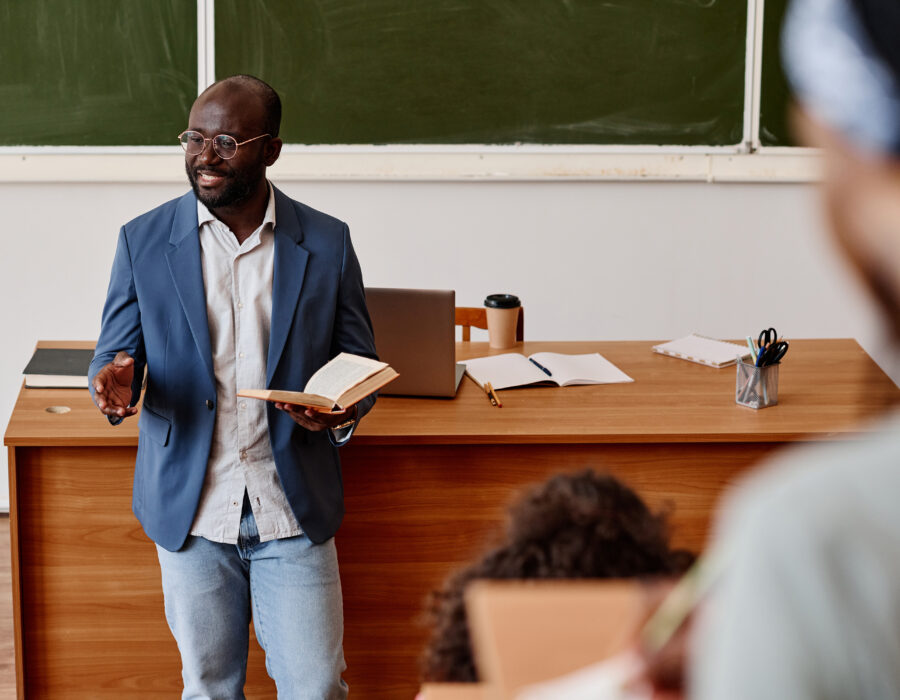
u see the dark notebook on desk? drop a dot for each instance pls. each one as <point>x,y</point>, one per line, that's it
<point>58,368</point>
<point>415,333</point>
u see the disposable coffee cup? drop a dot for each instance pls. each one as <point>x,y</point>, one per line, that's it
<point>502,319</point>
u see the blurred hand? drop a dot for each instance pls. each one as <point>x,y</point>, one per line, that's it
<point>314,420</point>
<point>112,386</point>
<point>663,669</point>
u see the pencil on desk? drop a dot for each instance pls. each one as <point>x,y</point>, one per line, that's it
<point>492,395</point>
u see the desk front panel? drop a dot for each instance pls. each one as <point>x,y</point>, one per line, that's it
<point>415,514</point>
<point>90,602</point>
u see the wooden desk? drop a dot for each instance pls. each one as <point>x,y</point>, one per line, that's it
<point>426,486</point>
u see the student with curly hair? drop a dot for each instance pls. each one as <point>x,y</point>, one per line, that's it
<point>574,526</point>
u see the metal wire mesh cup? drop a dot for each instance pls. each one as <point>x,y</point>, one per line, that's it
<point>756,387</point>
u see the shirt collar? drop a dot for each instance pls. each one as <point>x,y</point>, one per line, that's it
<point>205,216</point>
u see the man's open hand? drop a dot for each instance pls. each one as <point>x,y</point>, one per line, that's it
<point>112,386</point>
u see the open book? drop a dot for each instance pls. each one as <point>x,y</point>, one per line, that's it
<point>338,385</point>
<point>514,369</point>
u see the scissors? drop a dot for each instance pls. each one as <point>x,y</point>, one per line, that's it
<point>767,336</point>
<point>772,353</point>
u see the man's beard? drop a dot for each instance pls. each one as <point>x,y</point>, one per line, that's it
<point>238,187</point>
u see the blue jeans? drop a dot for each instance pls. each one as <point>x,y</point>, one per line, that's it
<point>294,591</point>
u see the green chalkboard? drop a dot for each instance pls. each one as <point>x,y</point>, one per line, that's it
<point>97,73</point>
<point>775,93</point>
<point>494,71</point>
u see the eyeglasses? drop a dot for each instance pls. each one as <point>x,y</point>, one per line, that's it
<point>225,146</point>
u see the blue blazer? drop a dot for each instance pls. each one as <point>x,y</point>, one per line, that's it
<point>156,311</point>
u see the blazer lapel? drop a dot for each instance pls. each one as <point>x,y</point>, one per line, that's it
<point>287,282</point>
<point>183,258</point>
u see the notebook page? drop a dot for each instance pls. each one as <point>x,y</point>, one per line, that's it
<point>590,368</point>
<point>612,679</point>
<point>504,371</point>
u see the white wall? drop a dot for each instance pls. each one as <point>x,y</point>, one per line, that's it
<point>601,260</point>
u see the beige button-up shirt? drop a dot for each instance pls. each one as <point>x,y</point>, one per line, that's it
<point>238,284</point>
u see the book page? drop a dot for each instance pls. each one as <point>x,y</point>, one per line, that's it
<point>298,398</point>
<point>366,387</point>
<point>591,368</point>
<point>612,679</point>
<point>504,371</point>
<point>343,372</point>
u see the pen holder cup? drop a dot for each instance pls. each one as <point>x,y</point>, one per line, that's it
<point>756,387</point>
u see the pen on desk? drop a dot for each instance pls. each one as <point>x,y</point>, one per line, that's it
<point>540,366</point>
<point>492,395</point>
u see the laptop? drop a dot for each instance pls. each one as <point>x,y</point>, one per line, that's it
<point>415,333</point>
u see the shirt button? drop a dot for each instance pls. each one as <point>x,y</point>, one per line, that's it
<point>209,404</point>
<point>243,405</point>
<point>240,354</point>
<point>240,305</point>
<point>243,455</point>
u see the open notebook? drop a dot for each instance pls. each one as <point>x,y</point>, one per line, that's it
<point>514,369</point>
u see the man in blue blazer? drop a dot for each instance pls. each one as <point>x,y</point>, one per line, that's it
<point>233,286</point>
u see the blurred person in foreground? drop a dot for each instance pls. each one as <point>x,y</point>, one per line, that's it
<point>807,604</point>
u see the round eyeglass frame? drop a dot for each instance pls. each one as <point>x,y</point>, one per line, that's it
<point>217,143</point>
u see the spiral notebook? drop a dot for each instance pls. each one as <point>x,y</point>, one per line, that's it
<point>703,350</point>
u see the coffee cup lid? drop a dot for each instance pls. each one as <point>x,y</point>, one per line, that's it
<point>502,301</point>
